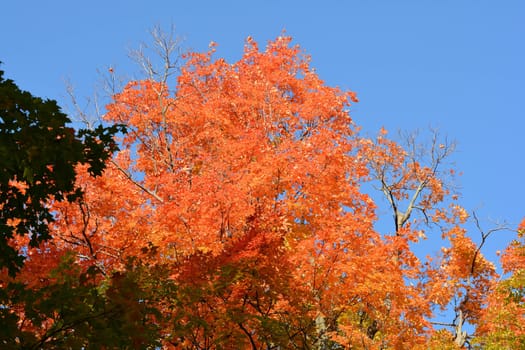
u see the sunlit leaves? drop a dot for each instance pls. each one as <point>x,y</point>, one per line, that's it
<point>235,216</point>
<point>502,323</point>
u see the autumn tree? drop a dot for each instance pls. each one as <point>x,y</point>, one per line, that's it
<point>238,213</point>
<point>242,173</point>
<point>417,181</point>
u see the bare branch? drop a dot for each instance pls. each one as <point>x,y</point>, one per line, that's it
<point>484,236</point>
<point>167,47</point>
<point>79,112</point>
<point>443,324</point>
<point>129,177</point>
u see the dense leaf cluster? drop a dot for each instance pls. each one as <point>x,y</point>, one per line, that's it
<point>235,216</point>
<point>38,156</point>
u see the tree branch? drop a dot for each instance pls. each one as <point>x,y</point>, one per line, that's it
<point>129,177</point>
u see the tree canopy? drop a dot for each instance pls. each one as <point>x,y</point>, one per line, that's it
<point>38,156</point>
<point>237,215</point>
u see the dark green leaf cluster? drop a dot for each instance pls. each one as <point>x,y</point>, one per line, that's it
<point>78,309</point>
<point>38,156</point>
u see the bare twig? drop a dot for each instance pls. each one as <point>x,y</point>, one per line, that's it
<point>136,183</point>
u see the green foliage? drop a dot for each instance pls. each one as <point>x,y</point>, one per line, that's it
<point>38,155</point>
<point>73,312</point>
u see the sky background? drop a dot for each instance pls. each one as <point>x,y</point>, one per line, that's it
<point>456,65</point>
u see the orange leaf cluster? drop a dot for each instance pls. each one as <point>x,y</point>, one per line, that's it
<point>244,183</point>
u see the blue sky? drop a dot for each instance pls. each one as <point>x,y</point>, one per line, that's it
<point>457,65</point>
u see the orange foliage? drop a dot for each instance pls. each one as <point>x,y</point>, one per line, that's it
<point>245,180</point>
<point>502,322</point>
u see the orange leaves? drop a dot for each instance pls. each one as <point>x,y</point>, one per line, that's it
<point>460,213</point>
<point>462,254</point>
<point>521,227</point>
<point>257,167</point>
<point>501,324</point>
<point>252,160</point>
<point>513,258</point>
<point>223,143</point>
<point>243,181</point>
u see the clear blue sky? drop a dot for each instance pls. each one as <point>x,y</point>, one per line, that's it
<point>458,65</point>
